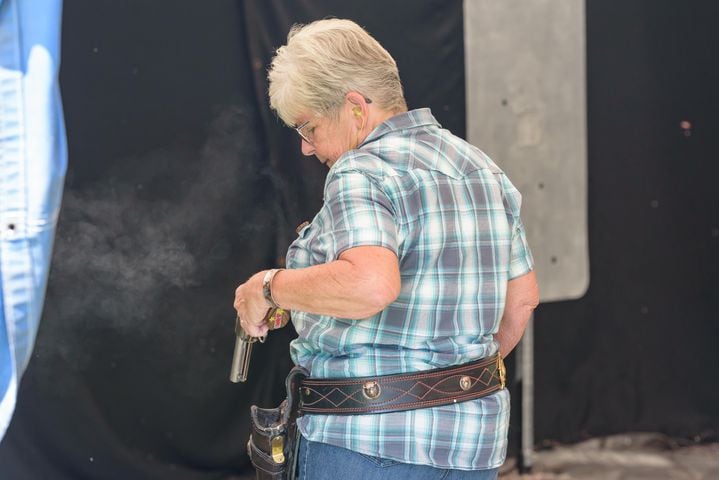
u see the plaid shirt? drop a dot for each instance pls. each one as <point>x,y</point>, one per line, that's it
<point>452,217</point>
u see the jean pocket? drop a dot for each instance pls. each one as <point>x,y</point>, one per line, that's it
<point>379,462</point>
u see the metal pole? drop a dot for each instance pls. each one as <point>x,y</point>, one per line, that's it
<point>525,352</point>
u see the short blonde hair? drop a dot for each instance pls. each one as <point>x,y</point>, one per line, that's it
<point>325,60</point>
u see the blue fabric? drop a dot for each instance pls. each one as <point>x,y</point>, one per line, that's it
<point>319,461</point>
<point>33,161</point>
<point>453,218</point>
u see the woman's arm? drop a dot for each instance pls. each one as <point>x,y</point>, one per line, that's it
<point>522,299</point>
<point>360,283</point>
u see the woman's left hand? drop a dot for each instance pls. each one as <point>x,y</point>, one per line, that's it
<point>251,306</point>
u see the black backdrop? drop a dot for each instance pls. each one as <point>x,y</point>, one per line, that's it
<point>182,183</point>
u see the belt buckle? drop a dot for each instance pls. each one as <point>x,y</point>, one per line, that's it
<point>502,370</point>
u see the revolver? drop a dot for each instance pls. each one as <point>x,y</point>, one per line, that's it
<point>275,318</point>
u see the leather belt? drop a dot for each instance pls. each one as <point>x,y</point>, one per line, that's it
<point>404,391</point>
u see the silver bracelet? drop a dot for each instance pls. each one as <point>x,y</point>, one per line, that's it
<point>267,286</point>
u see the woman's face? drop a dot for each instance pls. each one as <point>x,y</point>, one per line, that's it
<point>325,138</point>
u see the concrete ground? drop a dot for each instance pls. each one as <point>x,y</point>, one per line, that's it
<point>639,456</point>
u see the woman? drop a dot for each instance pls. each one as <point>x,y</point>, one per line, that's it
<point>417,263</point>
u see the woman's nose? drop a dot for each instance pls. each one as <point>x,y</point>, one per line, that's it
<point>307,148</point>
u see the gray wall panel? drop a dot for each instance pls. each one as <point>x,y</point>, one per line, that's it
<point>526,108</point>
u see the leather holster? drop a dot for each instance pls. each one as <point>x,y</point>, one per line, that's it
<point>274,437</point>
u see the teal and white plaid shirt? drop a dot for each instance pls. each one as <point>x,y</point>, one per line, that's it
<point>452,217</point>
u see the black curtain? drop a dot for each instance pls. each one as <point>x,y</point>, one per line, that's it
<point>637,352</point>
<point>182,183</point>
<point>168,206</point>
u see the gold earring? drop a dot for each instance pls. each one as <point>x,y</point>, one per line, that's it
<point>357,111</point>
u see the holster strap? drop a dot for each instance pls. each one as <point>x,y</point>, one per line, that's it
<point>390,393</point>
<point>265,467</point>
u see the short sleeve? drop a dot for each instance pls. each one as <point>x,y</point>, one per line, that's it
<point>521,261</point>
<point>359,213</point>
<point>520,256</point>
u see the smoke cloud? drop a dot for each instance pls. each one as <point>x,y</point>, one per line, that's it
<point>155,248</point>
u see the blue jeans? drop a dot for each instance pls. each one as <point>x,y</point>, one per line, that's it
<point>319,461</point>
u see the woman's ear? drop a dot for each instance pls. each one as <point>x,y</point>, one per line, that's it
<point>358,103</point>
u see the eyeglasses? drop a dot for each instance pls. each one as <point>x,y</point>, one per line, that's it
<point>308,135</point>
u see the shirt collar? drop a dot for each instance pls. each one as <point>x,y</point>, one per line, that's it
<point>412,119</point>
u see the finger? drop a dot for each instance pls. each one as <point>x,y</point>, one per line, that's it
<point>255,331</point>
<point>240,304</point>
<point>239,301</point>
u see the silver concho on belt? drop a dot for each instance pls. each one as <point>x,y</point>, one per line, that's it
<point>371,390</point>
